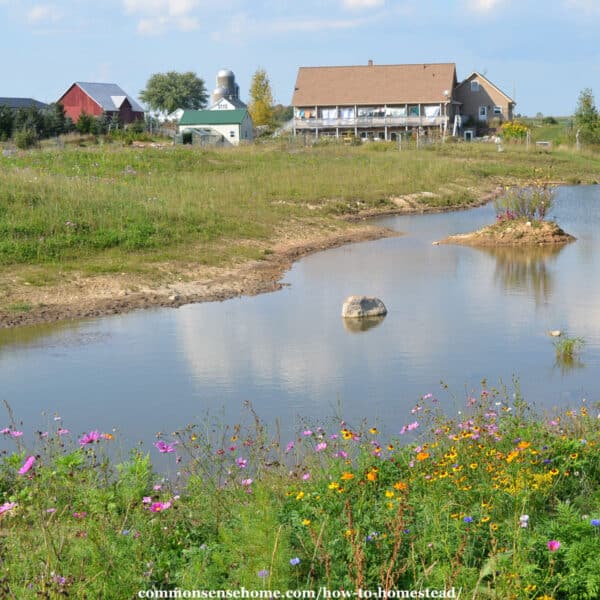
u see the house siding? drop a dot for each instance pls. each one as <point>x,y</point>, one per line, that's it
<point>487,96</point>
<point>76,101</point>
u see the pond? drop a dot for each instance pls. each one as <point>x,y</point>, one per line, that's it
<point>457,315</point>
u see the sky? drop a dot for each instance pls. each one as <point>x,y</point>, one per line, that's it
<point>542,53</point>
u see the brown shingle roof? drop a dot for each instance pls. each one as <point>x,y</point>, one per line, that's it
<point>373,84</point>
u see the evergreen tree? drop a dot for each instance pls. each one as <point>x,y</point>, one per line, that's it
<point>587,119</point>
<point>261,99</point>
<point>7,122</point>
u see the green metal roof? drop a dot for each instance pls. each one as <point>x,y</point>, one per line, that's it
<point>212,117</point>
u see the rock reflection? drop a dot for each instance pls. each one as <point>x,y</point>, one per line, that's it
<point>360,325</point>
<point>525,268</point>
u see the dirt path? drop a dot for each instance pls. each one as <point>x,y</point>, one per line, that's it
<point>79,297</point>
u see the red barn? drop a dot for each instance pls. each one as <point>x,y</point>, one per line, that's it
<point>98,98</point>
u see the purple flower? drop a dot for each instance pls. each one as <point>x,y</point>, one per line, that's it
<point>321,446</point>
<point>372,536</point>
<point>146,500</point>
<point>553,545</point>
<point>306,476</point>
<point>16,434</point>
<point>27,465</point>
<point>289,446</point>
<point>160,506</point>
<point>5,430</point>
<point>7,506</point>
<point>63,431</point>
<point>468,519</point>
<point>263,573</point>
<point>307,432</point>
<point>246,482</point>
<point>595,522</point>
<point>50,510</point>
<point>163,447</point>
<point>241,462</point>
<point>294,561</point>
<point>89,438</point>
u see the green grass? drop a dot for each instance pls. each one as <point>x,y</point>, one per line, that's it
<point>82,208</point>
<point>471,502</point>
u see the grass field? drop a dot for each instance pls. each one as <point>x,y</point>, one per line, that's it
<point>79,212</point>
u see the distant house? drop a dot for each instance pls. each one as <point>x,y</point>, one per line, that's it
<point>17,103</point>
<point>229,127</point>
<point>481,100</point>
<point>383,101</point>
<point>100,98</point>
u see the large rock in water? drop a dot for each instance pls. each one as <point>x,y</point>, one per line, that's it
<point>356,307</point>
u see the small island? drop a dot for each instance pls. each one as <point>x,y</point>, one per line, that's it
<point>520,221</point>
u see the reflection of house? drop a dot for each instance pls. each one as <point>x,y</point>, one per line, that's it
<point>381,101</point>
<point>100,98</point>
<point>230,126</point>
<point>16,103</point>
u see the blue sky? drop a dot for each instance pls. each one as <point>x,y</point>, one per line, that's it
<point>542,52</point>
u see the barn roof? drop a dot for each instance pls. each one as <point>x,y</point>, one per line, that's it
<point>373,84</point>
<point>213,117</point>
<point>108,95</point>
<point>16,103</point>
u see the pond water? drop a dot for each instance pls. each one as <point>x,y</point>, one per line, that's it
<point>456,315</point>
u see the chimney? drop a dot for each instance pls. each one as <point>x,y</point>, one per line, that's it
<point>370,63</point>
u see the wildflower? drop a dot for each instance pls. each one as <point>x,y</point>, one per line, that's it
<point>524,521</point>
<point>163,447</point>
<point>246,482</point>
<point>80,515</point>
<point>89,438</point>
<point>321,446</point>
<point>306,476</point>
<point>494,526</point>
<point>307,432</point>
<point>390,447</point>
<point>371,476</point>
<point>62,431</point>
<point>289,446</point>
<point>294,561</point>
<point>107,436</point>
<point>16,434</point>
<point>299,495</point>
<point>5,430</point>
<point>306,522</point>
<point>373,431</point>
<point>263,573</point>
<point>412,426</point>
<point>553,545</point>
<point>334,485</point>
<point>484,519</point>
<point>574,456</point>
<point>241,462</point>
<point>7,506</point>
<point>160,506</point>
<point>371,536</point>
<point>400,486</point>
<point>595,522</point>
<point>50,510</point>
<point>347,476</point>
<point>27,465</point>
<point>346,434</point>
<point>468,519</point>
<point>422,456</point>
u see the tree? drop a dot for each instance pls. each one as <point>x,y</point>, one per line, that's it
<point>7,122</point>
<point>587,119</point>
<point>166,92</point>
<point>261,99</point>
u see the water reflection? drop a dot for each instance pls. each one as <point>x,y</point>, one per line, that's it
<point>360,325</point>
<point>525,269</point>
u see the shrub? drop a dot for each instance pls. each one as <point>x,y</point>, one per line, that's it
<point>532,202</point>
<point>514,131</point>
<point>25,138</point>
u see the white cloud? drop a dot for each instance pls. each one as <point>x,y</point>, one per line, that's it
<point>484,6</point>
<point>358,4</point>
<point>159,16</point>
<point>43,13</point>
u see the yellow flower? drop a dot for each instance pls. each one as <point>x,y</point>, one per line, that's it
<point>390,505</point>
<point>349,532</point>
<point>193,437</point>
<point>422,456</point>
<point>373,431</point>
<point>389,494</point>
<point>485,519</point>
<point>400,486</point>
<point>346,434</point>
<point>390,447</point>
<point>299,495</point>
<point>523,445</point>
<point>347,476</point>
<point>473,465</point>
<point>553,472</point>
<point>371,476</point>
<point>234,438</point>
<point>574,455</point>
<point>334,485</point>
<point>443,474</point>
<point>494,526</point>
<point>306,522</point>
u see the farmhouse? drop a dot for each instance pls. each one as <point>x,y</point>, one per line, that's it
<point>16,103</point>
<point>382,101</point>
<point>228,127</point>
<point>100,98</point>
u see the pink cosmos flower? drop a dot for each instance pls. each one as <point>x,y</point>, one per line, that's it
<point>5,430</point>
<point>241,462</point>
<point>50,510</point>
<point>320,447</point>
<point>16,434</point>
<point>146,500</point>
<point>553,545</point>
<point>62,431</point>
<point>157,487</point>
<point>27,465</point>
<point>306,476</point>
<point>89,438</point>
<point>160,506</point>
<point>246,482</point>
<point>7,506</point>
<point>289,446</point>
<point>307,432</point>
<point>163,447</point>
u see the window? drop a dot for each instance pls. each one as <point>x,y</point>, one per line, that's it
<point>474,86</point>
<point>483,112</point>
<point>413,111</point>
<point>498,111</point>
<point>232,134</point>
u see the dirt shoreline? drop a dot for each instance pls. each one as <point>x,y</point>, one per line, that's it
<point>112,294</point>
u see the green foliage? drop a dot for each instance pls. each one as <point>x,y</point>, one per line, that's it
<point>587,120</point>
<point>533,202</point>
<point>25,138</point>
<point>7,122</point>
<point>86,124</point>
<point>261,99</point>
<point>166,92</point>
<point>567,347</point>
<point>514,131</point>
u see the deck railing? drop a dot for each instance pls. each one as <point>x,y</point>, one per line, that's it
<point>369,122</point>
